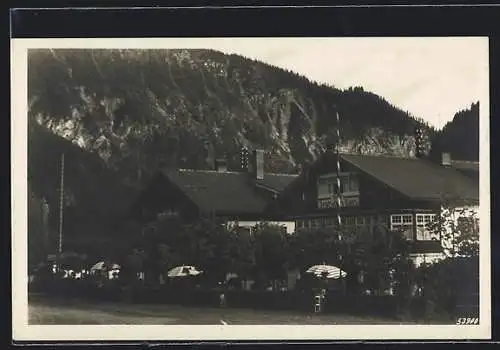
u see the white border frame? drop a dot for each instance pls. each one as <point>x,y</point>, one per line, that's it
<point>24,332</point>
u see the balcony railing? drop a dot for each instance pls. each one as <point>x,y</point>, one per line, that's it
<point>345,201</point>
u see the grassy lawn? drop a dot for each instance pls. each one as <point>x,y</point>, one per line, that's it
<point>75,311</point>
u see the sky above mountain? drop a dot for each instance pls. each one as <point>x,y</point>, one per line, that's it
<point>432,78</point>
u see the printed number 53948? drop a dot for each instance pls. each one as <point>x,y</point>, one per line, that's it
<point>467,320</point>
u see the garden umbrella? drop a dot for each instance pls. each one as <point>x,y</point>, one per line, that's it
<point>101,265</point>
<point>326,271</point>
<point>182,271</point>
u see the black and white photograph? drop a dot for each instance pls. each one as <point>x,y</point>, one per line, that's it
<point>250,188</point>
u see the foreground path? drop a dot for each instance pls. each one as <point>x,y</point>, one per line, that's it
<point>71,312</point>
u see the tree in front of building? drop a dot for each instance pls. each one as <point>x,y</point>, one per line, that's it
<point>458,228</point>
<point>270,253</point>
<point>378,261</point>
<point>37,228</point>
<point>374,260</point>
<point>453,281</point>
<point>240,253</point>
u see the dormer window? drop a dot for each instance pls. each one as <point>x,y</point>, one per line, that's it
<point>327,185</point>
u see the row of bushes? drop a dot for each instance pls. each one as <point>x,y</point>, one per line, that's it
<point>388,306</point>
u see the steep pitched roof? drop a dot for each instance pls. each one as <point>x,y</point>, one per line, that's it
<point>417,178</point>
<point>225,192</point>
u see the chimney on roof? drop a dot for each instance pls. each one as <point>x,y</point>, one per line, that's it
<point>446,159</point>
<point>221,164</point>
<point>258,164</point>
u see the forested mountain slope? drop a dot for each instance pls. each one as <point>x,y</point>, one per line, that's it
<point>119,115</point>
<point>142,109</point>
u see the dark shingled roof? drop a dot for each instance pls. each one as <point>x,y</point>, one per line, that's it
<point>417,178</point>
<point>225,192</point>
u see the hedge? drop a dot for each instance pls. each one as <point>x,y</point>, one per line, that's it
<point>389,306</point>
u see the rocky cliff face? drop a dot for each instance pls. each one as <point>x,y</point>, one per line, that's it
<point>119,115</point>
<point>143,109</point>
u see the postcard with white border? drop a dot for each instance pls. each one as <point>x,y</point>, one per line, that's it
<point>250,189</point>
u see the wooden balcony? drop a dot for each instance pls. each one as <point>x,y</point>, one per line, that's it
<point>345,201</point>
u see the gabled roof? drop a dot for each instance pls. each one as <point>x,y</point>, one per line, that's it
<point>225,192</point>
<point>417,178</point>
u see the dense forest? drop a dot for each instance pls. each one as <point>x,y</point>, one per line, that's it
<point>139,109</point>
<point>459,137</point>
<point>119,115</point>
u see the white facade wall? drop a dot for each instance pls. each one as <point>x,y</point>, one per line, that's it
<point>426,258</point>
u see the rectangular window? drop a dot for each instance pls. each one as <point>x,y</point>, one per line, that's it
<point>407,219</point>
<point>424,232</point>
<point>300,223</point>
<point>396,219</point>
<point>403,223</point>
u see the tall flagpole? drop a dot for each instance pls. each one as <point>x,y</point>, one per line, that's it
<point>339,191</point>
<point>337,151</point>
<point>61,203</point>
